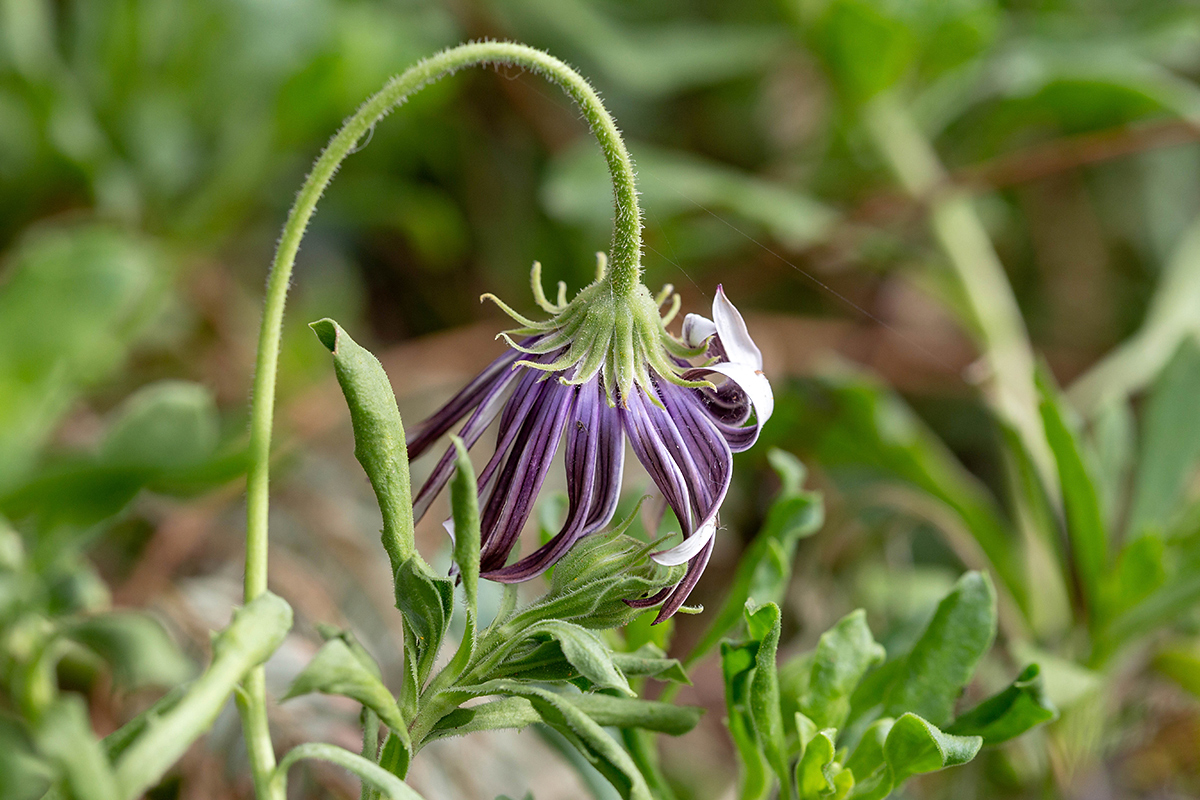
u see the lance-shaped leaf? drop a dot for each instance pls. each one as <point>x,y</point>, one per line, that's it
<point>605,710</point>
<point>650,661</point>
<point>378,435</point>
<point>464,504</point>
<point>585,734</point>
<point>844,654</point>
<point>763,624</point>
<point>64,734</point>
<point>1081,503</point>
<point>765,568</point>
<point>427,602</point>
<point>933,674</point>
<point>1008,714</point>
<point>584,650</point>
<point>737,668</point>
<point>335,669</point>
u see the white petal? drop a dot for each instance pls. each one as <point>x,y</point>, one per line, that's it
<point>449,526</point>
<point>753,383</point>
<point>697,329</point>
<point>734,336</point>
<point>683,553</point>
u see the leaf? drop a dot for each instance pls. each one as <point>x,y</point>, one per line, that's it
<point>1081,504</point>
<point>765,567</point>
<point>586,735</point>
<point>464,504</point>
<point>944,658</point>
<point>868,756</point>
<point>584,650</point>
<point>844,655</point>
<point>169,425</point>
<point>650,661</point>
<point>815,769</point>
<point>335,669</point>
<point>378,436</point>
<point>64,735</point>
<point>1008,714</point>
<point>763,624</point>
<point>915,746</point>
<point>426,601</point>
<point>1181,663</point>
<point>737,668</point>
<point>865,50</point>
<point>1170,443</point>
<point>135,646</point>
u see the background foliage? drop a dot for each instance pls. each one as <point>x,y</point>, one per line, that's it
<point>891,189</point>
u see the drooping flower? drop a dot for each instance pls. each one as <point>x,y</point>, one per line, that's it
<point>605,369</point>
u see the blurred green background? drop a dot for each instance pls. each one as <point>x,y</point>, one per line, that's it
<point>905,197</point>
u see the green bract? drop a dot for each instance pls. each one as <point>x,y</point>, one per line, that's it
<point>620,334</point>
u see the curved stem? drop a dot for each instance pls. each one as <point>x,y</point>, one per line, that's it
<point>623,277</point>
<point>368,771</point>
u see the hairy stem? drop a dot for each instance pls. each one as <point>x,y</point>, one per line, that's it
<point>623,277</point>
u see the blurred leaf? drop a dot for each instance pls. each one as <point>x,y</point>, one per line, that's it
<point>1181,663</point>
<point>1006,715</point>
<point>865,50</point>
<point>164,426</point>
<point>942,661</point>
<point>1081,504</point>
<point>866,432</point>
<point>650,60</point>
<point>135,646</point>
<point>335,669</point>
<point>764,569</point>
<point>1170,443</point>
<point>738,668</point>
<point>676,184</point>
<point>64,735</point>
<point>1064,682</point>
<point>26,776</point>
<point>844,654</point>
<point>75,299</point>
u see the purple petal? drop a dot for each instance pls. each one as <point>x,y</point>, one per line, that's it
<point>442,420</point>
<point>656,456</point>
<point>684,588</point>
<point>582,457</point>
<point>511,498</point>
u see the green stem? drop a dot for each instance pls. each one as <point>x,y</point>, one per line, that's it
<point>257,629</point>
<point>623,276</point>
<point>368,771</point>
<point>992,309</point>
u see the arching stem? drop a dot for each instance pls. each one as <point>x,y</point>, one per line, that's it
<point>623,276</point>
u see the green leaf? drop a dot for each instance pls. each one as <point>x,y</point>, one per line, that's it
<point>1081,504</point>
<point>1008,714</point>
<point>136,647</point>
<point>915,746</point>
<point>864,49</point>
<point>944,658</point>
<point>586,652</point>
<point>378,436</point>
<point>763,624</point>
<point>844,654</point>
<point>464,504</point>
<point>335,669</point>
<point>737,668</point>
<point>765,568</point>
<point>868,756</point>
<point>1181,663</point>
<point>605,710</point>
<point>64,735</point>
<point>426,601</point>
<point>169,425</point>
<point>815,770</point>
<point>585,734</point>
<point>1170,443</point>
<point>650,661</point>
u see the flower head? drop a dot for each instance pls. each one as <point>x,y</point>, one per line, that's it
<point>601,370</point>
